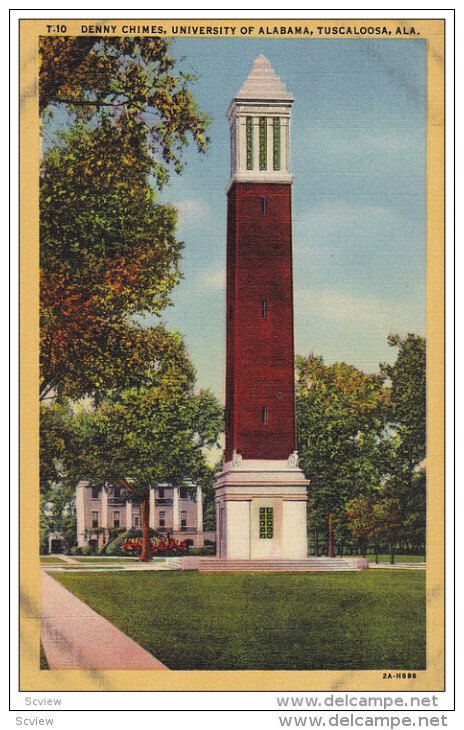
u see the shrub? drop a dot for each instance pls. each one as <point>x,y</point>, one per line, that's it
<point>115,531</point>
<point>160,547</point>
<point>206,550</point>
<point>84,550</point>
<point>114,547</point>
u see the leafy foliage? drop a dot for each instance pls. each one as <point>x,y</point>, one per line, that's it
<point>341,415</point>
<point>406,477</point>
<point>108,250</point>
<point>362,444</point>
<point>132,79</point>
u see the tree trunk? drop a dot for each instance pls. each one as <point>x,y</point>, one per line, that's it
<point>331,536</point>
<point>145,555</point>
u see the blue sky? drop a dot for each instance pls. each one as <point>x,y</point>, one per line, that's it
<point>358,157</point>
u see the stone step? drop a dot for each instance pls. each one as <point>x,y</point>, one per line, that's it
<point>210,565</point>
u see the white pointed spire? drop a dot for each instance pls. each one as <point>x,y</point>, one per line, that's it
<point>259,118</point>
<point>262,83</point>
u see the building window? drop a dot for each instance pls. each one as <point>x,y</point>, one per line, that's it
<point>136,520</point>
<point>183,493</point>
<point>264,205</point>
<point>116,519</point>
<point>162,519</point>
<point>266,523</point>
<point>117,492</point>
<point>262,143</point>
<point>276,142</point>
<point>94,519</point>
<point>263,308</point>
<point>249,143</point>
<point>95,492</point>
<point>265,414</point>
<point>183,520</point>
<point>161,493</point>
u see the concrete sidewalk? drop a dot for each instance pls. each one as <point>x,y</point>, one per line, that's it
<point>76,637</point>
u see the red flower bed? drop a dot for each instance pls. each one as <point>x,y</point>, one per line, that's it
<point>159,547</point>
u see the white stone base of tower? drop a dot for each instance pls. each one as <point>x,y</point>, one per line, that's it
<point>261,510</point>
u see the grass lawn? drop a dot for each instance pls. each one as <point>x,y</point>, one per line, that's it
<point>103,566</point>
<point>103,559</point>
<point>50,559</point>
<point>190,620</point>
<point>398,558</point>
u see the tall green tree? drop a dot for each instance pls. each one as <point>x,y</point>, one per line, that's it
<point>341,418</point>
<point>108,250</point>
<point>130,78</point>
<point>406,450</point>
<point>141,437</point>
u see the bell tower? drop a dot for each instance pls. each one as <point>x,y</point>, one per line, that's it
<point>261,492</point>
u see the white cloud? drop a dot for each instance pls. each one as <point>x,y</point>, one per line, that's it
<point>362,312</point>
<point>214,281</point>
<point>193,212</point>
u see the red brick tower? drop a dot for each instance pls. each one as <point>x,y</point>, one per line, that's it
<point>261,491</point>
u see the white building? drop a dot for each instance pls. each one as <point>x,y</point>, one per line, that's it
<point>174,511</point>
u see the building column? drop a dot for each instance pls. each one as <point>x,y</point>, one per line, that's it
<point>80,512</point>
<point>152,508</point>
<point>128,514</point>
<point>104,508</point>
<point>104,516</point>
<point>199,509</point>
<point>284,143</point>
<point>256,143</point>
<point>175,510</point>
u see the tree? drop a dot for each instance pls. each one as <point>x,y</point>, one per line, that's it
<point>140,437</point>
<point>405,468</point>
<point>130,78</point>
<point>361,519</point>
<point>376,517</point>
<point>341,417</point>
<point>108,250</point>
<point>58,513</point>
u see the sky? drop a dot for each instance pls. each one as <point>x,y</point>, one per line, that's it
<point>358,159</point>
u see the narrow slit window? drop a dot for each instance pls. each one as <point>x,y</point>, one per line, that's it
<point>262,143</point>
<point>249,143</point>
<point>265,414</point>
<point>263,308</point>
<point>264,205</point>
<point>276,143</point>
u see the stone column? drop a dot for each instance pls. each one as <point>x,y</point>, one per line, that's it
<point>175,510</point>
<point>104,508</point>
<point>152,508</point>
<point>80,512</point>
<point>284,143</point>
<point>256,143</point>
<point>199,509</point>
<point>128,514</point>
<point>270,143</point>
<point>104,516</point>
